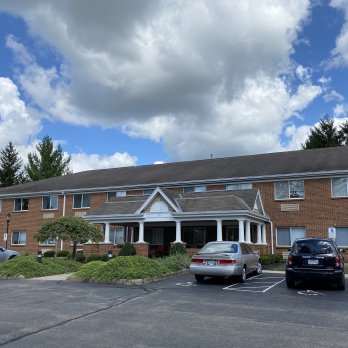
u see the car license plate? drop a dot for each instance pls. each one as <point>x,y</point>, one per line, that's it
<point>313,262</point>
<point>211,262</point>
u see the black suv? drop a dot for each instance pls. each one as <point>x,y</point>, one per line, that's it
<point>315,259</point>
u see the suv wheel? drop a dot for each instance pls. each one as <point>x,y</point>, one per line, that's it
<point>341,285</point>
<point>290,283</point>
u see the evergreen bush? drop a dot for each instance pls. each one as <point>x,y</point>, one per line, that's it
<point>93,257</point>
<point>63,253</point>
<point>178,249</point>
<point>128,250</point>
<point>49,253</point>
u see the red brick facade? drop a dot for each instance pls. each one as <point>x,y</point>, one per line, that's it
<point>316,213</point>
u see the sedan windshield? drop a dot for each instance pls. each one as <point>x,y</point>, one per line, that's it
<point>219,248</point>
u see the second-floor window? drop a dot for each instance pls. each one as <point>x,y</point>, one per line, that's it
<point>292,189</point>
<point>50,202</point>
<point>240,186</point>
<point>21,204</point>
<point>339,187</point>
<point>82,200</point>
<point>114,194</point>
<point>195,189</point>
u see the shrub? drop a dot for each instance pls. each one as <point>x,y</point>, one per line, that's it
<point>93,257</point>
<point>49,253</point>
<point>176,262</point>
<point>80,257</point>
<point>268,259</point>
<point>28,267</point>
<point>127,250</point>
<point>63,253</point>
<point>178,249</point>
<point>105,257</point>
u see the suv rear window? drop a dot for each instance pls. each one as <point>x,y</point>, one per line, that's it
<point>313,247</point>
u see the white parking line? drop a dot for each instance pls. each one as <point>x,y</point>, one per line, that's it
<point>248,286</point>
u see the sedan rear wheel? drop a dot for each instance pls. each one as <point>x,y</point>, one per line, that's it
<point>242,277</point>
<point>199,278</point>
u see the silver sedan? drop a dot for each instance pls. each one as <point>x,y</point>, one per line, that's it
<point>225,259</point>
<point>6,254</point>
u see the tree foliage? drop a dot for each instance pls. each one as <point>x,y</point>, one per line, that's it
<point>47,162</point>
<point>70,228</point>
<point>326,134</point>
<point>11,172</point>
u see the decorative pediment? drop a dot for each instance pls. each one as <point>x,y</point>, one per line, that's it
<point>158,203</point>
<point>258,206</point>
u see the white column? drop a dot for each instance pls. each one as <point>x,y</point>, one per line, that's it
<point>263,234</point>
<point>259,240</point>
<point>247,231</point>
<point>178,232</point>
<point>132,234</point>
<point>219,230</point>
<point>107,233</point>
<point>241,231</point>
<point>141,232</point>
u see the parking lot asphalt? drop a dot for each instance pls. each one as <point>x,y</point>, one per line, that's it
<point>176,312</point>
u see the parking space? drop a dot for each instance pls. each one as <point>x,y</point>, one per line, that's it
<point>261,283</point>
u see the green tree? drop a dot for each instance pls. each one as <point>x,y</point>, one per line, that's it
<point>343,133</point>
<point>11,172</point>
<point>70,228</point>
<point>325,134</point>
<point>47,162</point>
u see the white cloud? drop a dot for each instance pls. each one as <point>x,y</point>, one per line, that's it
<point>200,77</point>
<point>16,122</point>
<point>340,52</point>
<point>82,161</point>
<point>333,95</point>
<point>340,110</point>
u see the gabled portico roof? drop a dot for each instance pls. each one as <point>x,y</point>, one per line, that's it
<point>183,204</point>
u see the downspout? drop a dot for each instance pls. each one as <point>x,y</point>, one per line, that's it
<point>64,203</point>
<point>272,246</point>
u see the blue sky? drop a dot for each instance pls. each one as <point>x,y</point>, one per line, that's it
<point>133,82</point>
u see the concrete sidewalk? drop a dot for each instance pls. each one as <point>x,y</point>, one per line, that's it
<point>54,277</point>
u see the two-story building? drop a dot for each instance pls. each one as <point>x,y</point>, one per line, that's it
<point>267,200</point>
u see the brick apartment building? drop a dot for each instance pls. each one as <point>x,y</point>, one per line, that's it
<point>267,200</point>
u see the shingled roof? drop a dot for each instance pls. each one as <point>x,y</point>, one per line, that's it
<point>239,200</point>
<point>315,162</point>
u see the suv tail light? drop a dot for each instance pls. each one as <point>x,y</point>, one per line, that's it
<point>337,262</point>
<point>196,260</point>
<point>290,260</point>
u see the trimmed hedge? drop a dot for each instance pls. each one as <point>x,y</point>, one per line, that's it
<point>128,249</point>
<point>63,253</point>
<point>268,259</point>
<point>93,257</point>
<point>49,253</point>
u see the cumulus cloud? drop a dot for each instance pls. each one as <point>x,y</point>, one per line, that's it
<point>82,161</point>
<point>16,122</point>
<point>200,77</point>
<point>340,110</point>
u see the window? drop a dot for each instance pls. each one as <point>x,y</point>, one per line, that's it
<point>21,204</point>
<point>194,189</point>
<point>195,237</point>
<point>114,194</point>
<point>50,202</point>
<point>19,237</point>
<point>49,241</point>
<point>342,236</point>
<point>154,236</point>
<point>287,235</point>
<point>81,200</point>
<point>339,187</point>
<point>289,189</point>
<point>240,186</point>
<point>148,192</point>
<point>116,235</point>
<point>159,207</point>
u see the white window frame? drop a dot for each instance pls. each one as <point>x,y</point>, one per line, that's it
<point>19,239</point>
<point>14,204</point>
<point>50,204</point>
<point>50,241</point>
<point>239,186</point>
<point>115,232</point>
<point>332,191</point>
<point>291,238</point>
<point>289,191</point>
<point>337,230</point>
<point>188,189</point>
<point>115,194</point>
<point>81,194</point>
